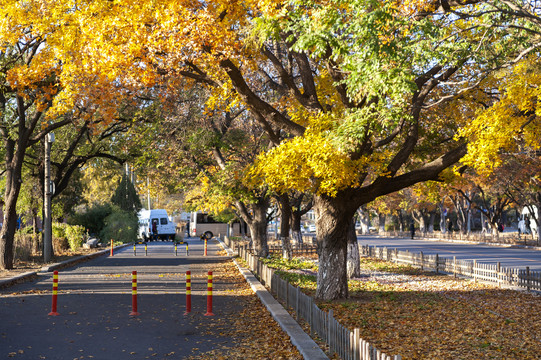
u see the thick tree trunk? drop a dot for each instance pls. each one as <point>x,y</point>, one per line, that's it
<point>257,222</point>
<point>400,220</point>
<point>364,219</point>
<point>443,221</point>
<point>333,218</point>
<point>421,218</point>
<point>13,172</point>
<point>381,222</point>
<point>538,221</point>
<point>7,234</point>
<point>353,258</point>
<point>285,217</point>
<point>296,232</point>
<point>431,222</point>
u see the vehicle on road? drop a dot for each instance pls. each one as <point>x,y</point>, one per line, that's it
<point>204,224</point>
<point>165,229</point>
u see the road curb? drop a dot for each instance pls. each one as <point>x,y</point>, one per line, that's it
<point>5,283</point>
<point>302,341</point>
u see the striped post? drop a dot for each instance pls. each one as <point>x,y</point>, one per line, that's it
<point>134,294</point>
<point>205,247</point>
<point>188,292</point>
<point>175,249</point>
<point>146,253</point>
<point>187,251</point>
<point>55,294</point>
<point>134,251</point>
<point>209,295</point>
<point>111,247</point>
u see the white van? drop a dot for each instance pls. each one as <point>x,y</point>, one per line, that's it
<point>166,229</point>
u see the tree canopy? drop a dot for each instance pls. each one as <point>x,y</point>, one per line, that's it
<point>359,98</point>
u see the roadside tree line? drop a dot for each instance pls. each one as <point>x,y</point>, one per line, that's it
<point>344,101</point>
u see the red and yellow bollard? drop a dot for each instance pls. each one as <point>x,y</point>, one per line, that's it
<point>205,247</point>
<point>55,294</point>
<point>188,292</point>
<point>209,295</point>
<point>187,250</point>
<point>134,294</point>
<point>111,247</point>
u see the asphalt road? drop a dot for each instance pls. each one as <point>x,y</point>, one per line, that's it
<point>507,256</point>
<point>95,301</point>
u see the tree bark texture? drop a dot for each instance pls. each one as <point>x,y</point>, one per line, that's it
<point>256,219</point>
<point>285,226</point>
<point>296,232</point>
<point>13,187</point>
<point>353,258</point>
<point>364,219</point>
<point>334,216</point>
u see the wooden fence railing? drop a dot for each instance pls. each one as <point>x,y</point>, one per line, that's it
<point>493,273</point>
<point>296,250</point>
<point>346,344</point>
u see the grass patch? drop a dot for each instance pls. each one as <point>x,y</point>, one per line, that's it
<point>387,266</point>
<point>277,262</point>
<point>307,283</point>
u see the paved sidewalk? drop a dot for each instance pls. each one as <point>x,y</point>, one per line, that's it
<point>94,303</point>
<point>304,343</point>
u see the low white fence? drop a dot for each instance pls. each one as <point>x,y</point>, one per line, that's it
<point>493,273</point>
<point>346,344</point>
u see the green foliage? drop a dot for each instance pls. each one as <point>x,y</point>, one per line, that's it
<point>93,218</point>
<point>125,196</point>
<point>59,230</point>
<point>306,282</point>
<point>226,216</point>
<point>75,235</point>
<point>121,226</point>
<point>280,263</point>
<point>65,235</point>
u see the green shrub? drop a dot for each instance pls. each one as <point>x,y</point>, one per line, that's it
<point>93,218</point>
<point>59,229</point>
<point>60,241</point>
<point>120,226</point>
<point>75,235</point>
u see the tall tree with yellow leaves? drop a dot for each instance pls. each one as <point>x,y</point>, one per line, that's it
<point>38,95</point>
<point>351,84</point>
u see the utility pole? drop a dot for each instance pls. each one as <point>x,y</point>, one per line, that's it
<point>148,192</point>
<point>48,190</point>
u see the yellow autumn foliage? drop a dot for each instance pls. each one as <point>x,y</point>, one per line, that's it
<point>512,124</point>
<point>202,198</point>
<point>315,162</point>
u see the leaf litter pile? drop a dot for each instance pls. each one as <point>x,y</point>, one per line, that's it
<point>420,315</point>
<point>256,334</point>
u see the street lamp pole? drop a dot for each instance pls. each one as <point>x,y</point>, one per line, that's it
<point>48,190</point>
